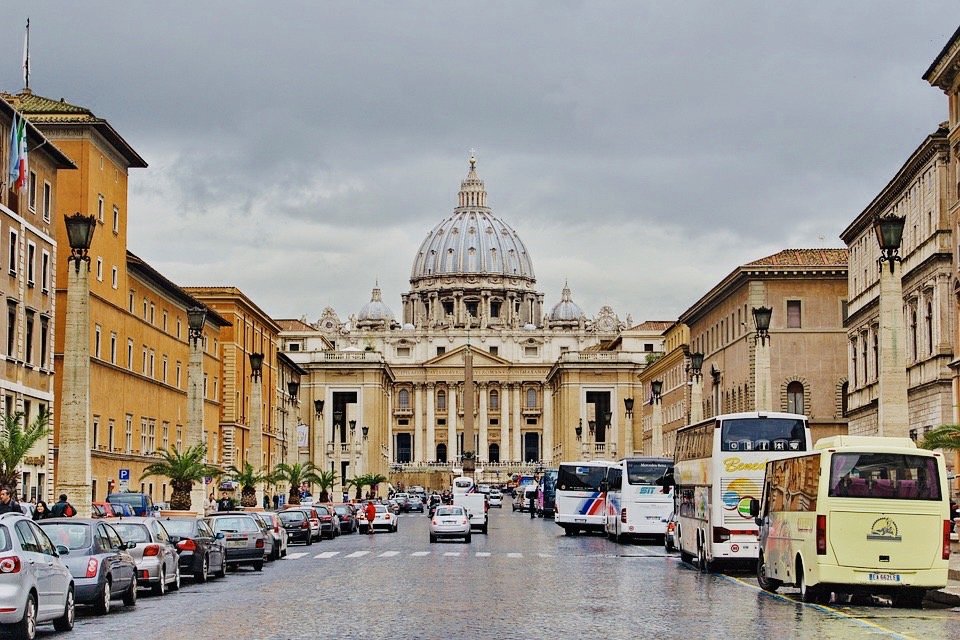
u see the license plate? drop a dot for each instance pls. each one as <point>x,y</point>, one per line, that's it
<point>884,577</point>
<point>240,542</point>
<point>449,522</point>
<point>579,519</point>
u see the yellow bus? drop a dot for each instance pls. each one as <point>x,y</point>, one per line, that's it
<point>860,515</point>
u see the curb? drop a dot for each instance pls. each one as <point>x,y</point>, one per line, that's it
<point>943,597</point>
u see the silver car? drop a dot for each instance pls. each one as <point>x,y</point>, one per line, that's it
<point>158,565</point>
<point>450,521</point>
<point>35,584</point>
<point>244,537</point>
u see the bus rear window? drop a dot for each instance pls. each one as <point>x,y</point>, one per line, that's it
<point>888,476</point>
<point>580,478</point>
<point>763,434</point>
<point>645,472</point>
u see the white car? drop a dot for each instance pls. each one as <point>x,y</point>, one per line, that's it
<point>383,520</point>
<point>30,564</point>
<point>450,521</point>
<point>495,498</point>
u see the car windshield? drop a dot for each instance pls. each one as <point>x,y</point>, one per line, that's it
<point>381,508</point>
<point>132,532</point>
<point>235,524</point>
<point>182,528</point>
<point>292,516</point>
<point>341,511</point>
<point>646,472</point>
<point>322,511</point>
<point>449,511</point>
<point>134,499</point>
<point>70,535</point>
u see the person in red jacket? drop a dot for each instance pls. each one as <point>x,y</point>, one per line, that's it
<point>371,512</point>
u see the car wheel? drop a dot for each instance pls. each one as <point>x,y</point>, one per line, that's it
<point>309,540</point>
<point>130,597</point>
<point>175,586</point>
<point>433,538</point>
<point>258,566</point>
<point>160,588</point>
<point>467,538</point>
<point>222,572</point>
<point>276,553</point>
<point>201,576</point>
<point>102,605</point>
<point>26,628</point>
<point>65,622</point>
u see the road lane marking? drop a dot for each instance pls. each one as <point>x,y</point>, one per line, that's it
<point>388,554</point>
<point>420,554</point>
<point>295,556</point>
<point>355,554</point>
<point>451,553</point>
<point>545,555</point>
<point>836,613</point>
<point>483,554</point>
<point>326,554</point>
<point>514,555</point>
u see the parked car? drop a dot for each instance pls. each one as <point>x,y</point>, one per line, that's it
<point>158,565</point>
<point>201,550</point>
<point>28,559</point>
<point>329,522</point>
<point>99,562</point>
<point>297,524</point>
<point>141,503</point>
<point>450,521</point>
<point>348,517</point>
<point>277,532</point>
<point>383,520</point>
<point>495,498</point>
<point>244,538</point>
<point>312,516</point>
<point>393,505</point>
<point>415,504</point>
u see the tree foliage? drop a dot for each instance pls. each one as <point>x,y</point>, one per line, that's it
<point>16,440</point>
<point>295,474</point>
<point>248,478</point>
<point>944,437</point>
<point>184,468</point>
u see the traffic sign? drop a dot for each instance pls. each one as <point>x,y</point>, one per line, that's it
<point>124,475</point>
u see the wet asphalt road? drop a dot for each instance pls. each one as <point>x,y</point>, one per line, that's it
<point>523,580</point>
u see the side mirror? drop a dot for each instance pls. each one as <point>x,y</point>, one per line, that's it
<point>220,535</point>
<point>174,539</point>
<point>604,486</point>
<point>62,550</point>
<point>754,507</point>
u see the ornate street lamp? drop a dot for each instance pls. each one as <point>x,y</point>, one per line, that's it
<point>696,363</point>
<point>80,230</point>
<point>593,426</point>
<point>579,429</point>
<point>256,364</point>
<point>628,406</point>
<point>366,431</point>
<point>656,389</point>
<point>318,407</point>
<point>761,317</point>
<point>353,428</point>
<point>196,316</point>
<point>889,230</point>
<point>293,387</point>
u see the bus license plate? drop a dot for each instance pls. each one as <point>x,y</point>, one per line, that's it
<point>579,519</point>
<point>884,577</point>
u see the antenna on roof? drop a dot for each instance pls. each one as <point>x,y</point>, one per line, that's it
<point>26,57</point>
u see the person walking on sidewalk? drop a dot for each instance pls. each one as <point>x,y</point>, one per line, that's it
<point>371,512</point>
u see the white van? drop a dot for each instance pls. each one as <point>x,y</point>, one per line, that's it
<point>859,515</point>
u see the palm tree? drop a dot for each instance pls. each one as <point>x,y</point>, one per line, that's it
<point>943,437</point>
<point>248,478</point>
<point>325,480</point>
<point>16,440</point>
<point>296,474</point>
<point>358,483</point>
<point>184,468</point>
<point>374,481</point>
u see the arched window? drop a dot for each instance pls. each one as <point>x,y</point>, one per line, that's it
<point>844,389</point>
<point>494,400</point>
<point>795,397</point>
<point>403,399</point>
<point>442,400</point>
<point>531,398</point>
<point>441,452</point>
<point>494,454</point>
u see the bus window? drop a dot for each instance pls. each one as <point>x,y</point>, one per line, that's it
<point>884,475</point>
<point>639,472</point>
<point>580,478</point>
<point>763,434</point>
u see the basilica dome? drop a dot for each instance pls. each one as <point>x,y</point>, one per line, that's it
<point>472,241</point>
<point>566,310</point>
<point>375,312</point>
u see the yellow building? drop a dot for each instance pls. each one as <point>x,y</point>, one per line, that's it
<point>29,229</point>
<point>139,347</point>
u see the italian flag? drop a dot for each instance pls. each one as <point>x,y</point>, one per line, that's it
<point>18,153</point>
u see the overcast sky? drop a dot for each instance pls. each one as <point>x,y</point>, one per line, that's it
<point>641,150</point>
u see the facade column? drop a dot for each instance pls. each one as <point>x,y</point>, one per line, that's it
<point>431,452</point>
<point>255,457</point>
<point>74,468</point>
<point>195,435</point>
<point>483,454</point>
<point>452,423</point>
<point>418,422</point>
<point>505,423</point>
<point>892,404</point>
<point>696,399</point>
<point>517,421</point>
<point>763,394</point>
<point>390,457</point>
<point>547,454</point>
<point>656,432</point>
<point>628,434</point>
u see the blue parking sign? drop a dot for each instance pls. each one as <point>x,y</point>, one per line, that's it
<point>124,475</point>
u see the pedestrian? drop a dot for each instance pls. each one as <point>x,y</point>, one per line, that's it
<point>533,504</point>
<point>276,502</point>
<point>42,511</point>
<point>211,505</point>
<point>62,509</point>
<point>371,513</point>
<point>225,503</point>
<point>266,501</point>
<point>7,503</point>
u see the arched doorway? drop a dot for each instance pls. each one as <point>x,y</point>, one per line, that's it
<point>494,452</point>
<point>441,452</point>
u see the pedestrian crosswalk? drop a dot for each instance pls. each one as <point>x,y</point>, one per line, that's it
<point>442,553</point>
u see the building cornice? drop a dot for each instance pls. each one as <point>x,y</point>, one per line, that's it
<point>943,70</point>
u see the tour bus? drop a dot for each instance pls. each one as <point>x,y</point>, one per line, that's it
<point>637,506</point>
<point>546,494</point>
<point>719,466</point>
<point>581,499</point>
<point>860,515</point>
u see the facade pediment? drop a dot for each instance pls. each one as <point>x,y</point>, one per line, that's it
<point>455,359</point>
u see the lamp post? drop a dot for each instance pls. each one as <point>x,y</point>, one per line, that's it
<point>892,399</point>
<point>74,469</point>
<point>656,419</point>
<point>255,456</point>
<point>291,453</point>
<point>628,427</point>
<point>762,391</point>
<point>696,387</point>
<point>196,317</point>
<point>333,449</point>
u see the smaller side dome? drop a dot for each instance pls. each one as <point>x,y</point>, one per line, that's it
<point>375,313</point>
<point>566,312</point>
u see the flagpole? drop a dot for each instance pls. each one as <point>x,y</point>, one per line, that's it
<point>26,57</point>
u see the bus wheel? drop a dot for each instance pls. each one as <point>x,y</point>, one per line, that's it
<point>702,563</point>
<point>910,598</point>
<point>808,593</point>
<point>569,531</point>
<point>767,584</point>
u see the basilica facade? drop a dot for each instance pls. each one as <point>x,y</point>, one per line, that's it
<point>384,392</point>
